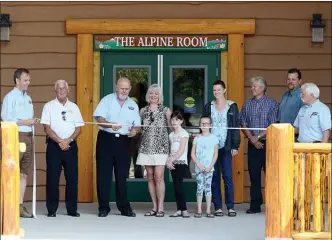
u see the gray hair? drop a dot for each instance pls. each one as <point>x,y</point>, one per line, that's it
<point>260,80</point>
<point>311,89</point>
<point>60,81</point>
<point>155,88</point>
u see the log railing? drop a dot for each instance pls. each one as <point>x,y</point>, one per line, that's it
<point>10,182</point>
<point>298,187</point>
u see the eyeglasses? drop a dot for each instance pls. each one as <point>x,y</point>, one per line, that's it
<point>63,113</point>
<point>205,124</point>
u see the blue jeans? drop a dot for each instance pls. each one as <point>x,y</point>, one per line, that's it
<point>223,163</point>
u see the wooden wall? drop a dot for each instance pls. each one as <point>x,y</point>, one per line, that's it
<point>282,41</point>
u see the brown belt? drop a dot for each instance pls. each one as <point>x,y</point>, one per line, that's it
<point>25,134</point>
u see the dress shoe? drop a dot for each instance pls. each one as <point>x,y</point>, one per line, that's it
<point>51,215</point>
<point>74,214</point>
<point>24,213</point>
<point>103,214</point>
<point>129,214</point>
<point>250,211</point>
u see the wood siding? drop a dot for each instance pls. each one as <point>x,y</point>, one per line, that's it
<point>282,41</point>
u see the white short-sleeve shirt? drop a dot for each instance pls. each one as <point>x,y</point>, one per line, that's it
<point>312,120</point>
<point>63,119</point>
<point>175,146</point>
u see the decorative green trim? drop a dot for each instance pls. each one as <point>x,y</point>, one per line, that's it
<point>160,42</point>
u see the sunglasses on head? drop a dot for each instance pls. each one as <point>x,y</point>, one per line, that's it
<point>63,113</point>
<point>151,117</point>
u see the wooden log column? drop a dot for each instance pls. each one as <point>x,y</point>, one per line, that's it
<point>279,182</point>
<point>85,104</point>
<point>10,181</point>
<point>235,92</point>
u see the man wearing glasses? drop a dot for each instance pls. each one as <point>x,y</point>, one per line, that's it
<point>62,122</point>
<point>117,115</point>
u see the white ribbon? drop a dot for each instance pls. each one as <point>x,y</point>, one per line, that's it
<point>185,127</point>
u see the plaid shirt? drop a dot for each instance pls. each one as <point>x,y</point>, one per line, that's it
<point>259,113</point>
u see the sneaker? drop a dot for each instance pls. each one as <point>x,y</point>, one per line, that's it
<point>24,213</point>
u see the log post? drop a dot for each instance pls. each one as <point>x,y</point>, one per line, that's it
<point>10,181</point>
<point>279,182</point>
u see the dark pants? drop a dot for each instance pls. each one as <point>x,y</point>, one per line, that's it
<point>223,163</point>
<point>55,160</point>
<point>112,151</point>
<point>256,161</point>
<point>177,176</point>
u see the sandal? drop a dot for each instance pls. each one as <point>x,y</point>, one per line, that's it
<point>231,213</point>
<point>185,214</point>
<point>150,213</point>
<point>177,214</point>
<point>160,214</point>
<point>198,215</point>
<point>219,213</point>
<point>209,215</point>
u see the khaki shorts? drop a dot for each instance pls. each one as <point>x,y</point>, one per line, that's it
<point>26,157</point>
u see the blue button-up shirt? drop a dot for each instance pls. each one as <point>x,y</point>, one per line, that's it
<point>290,105</point>
<point>312,120</point>
<point>259,113</point>
<point>16,106</point>
<point>110,109</point>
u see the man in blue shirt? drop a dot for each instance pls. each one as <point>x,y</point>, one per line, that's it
<point>17,107</point>
<point>117,114</point>
<point>291,100</point>
<point>257,112</point>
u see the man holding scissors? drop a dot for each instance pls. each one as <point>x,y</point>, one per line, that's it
<point>117,115</point>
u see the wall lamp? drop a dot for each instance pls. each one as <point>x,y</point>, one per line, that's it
<point>317,26</point>
<point>5,25</point>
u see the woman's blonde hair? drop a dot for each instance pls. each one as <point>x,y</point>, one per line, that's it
<point>154,88</point>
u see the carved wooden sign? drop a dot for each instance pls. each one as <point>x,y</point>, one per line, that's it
<point>174,42</point>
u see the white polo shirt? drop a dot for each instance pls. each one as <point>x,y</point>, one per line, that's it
<point>312,120</point>
<point>63,119</point>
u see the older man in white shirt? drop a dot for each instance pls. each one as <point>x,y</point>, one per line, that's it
<point>313,122</point>
<point>62,122</point>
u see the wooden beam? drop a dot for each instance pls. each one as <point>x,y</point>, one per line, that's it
<point>279,182</point>
<point>96,100</point>
<point>312,148</point>
<point>84,102</point>
<point>160,26</point>
<point>235,90</point>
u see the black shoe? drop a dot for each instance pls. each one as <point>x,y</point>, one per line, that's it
<point>250,211</point>
<point>103,213</point>
<point>74,214</point>
<point>51,215</point>
<point>129,214</point>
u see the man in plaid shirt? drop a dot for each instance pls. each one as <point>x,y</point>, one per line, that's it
<point>257,112</point>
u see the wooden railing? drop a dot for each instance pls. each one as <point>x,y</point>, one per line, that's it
<point>298,187</point>
<point>10,182</point>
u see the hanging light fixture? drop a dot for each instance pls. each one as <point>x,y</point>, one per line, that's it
<point>5,25</point>
<point>317,26</point>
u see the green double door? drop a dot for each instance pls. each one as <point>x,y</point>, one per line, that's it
<point>186,79</point>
